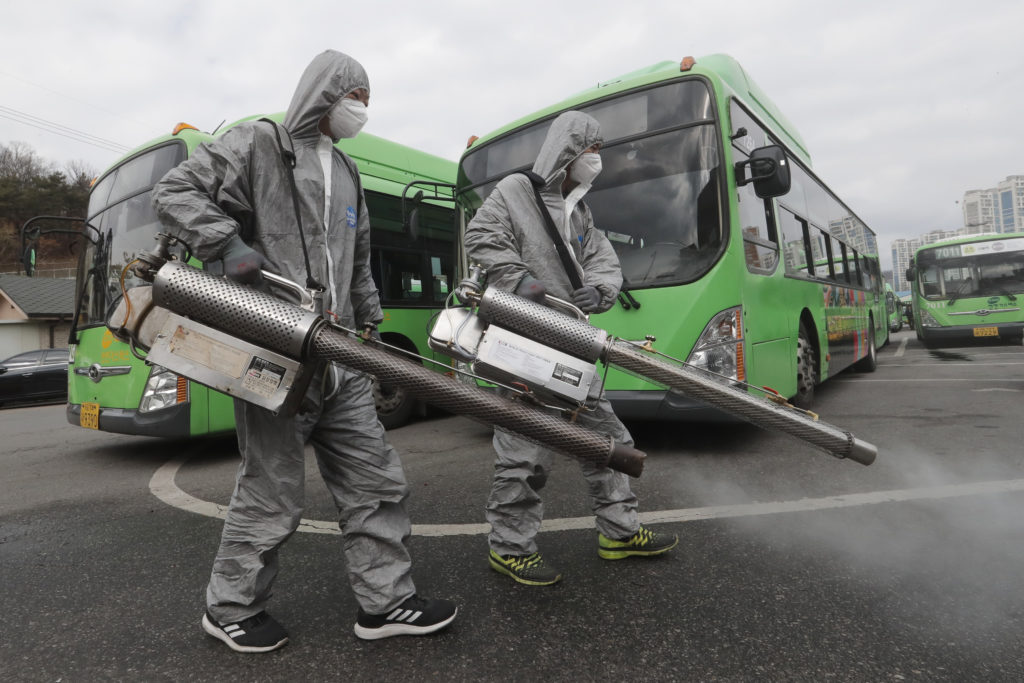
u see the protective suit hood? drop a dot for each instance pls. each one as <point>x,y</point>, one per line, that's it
<point>329,77</point>
<point>570,134</point>
<point>508,235</point>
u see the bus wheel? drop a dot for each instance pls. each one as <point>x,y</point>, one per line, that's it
<point>806,370</point>
<point>869,362</point>
<point>394,404</point>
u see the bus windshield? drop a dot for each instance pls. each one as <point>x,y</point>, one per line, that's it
<point>121,211</point>
<point>658,197</point>
<point>978,269</point>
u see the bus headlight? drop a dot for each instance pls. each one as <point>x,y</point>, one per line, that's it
<point>719,348</point>
<point>163,389</point>
<point>928,320</point>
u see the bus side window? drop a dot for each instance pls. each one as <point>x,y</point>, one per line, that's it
<point>401,280</point>
<point>794,247</point>
<point>847,267</point>
<point>440,273</point>
<point>758,245</point>
<point>819,241</point>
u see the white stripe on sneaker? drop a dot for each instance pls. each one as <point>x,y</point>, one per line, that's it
<point>234,630</point>
<point>414,617</point>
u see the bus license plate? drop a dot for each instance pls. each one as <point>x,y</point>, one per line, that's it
<point>90,417</point>
<point>986,331</point>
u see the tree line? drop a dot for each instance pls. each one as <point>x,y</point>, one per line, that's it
<point>31,186</point>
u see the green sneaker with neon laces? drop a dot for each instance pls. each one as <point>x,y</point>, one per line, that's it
<point>644,543</point>
<point>529,570</point>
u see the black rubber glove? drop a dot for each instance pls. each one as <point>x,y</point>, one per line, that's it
<point>241,262</point>
<point>531,288</point>
<point>587,298</point>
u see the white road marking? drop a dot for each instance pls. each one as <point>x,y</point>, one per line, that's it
<point>857,379</point>
<point>946,364</point>
<point>903,347</point>
<point>163,487</point>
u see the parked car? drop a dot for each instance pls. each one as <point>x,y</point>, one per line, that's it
<point>34,375</point>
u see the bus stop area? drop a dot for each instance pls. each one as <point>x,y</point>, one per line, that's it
<point>791,565</point>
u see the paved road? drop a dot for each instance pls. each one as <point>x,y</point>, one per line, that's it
<point>791,566</point>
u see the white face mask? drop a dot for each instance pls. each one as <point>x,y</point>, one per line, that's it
<point>586,167</point>
<point>346,118</point>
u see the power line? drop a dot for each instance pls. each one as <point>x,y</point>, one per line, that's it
<point>119,115</point>
<point>67,131</point>
<point>59,129</point>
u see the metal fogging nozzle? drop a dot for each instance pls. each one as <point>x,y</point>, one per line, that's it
<point>582,340</point>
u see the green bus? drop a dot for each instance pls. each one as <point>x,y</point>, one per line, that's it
<point>111,389</point>
<point>969,288</point>
<point>893,309</point>
<point>729,266</point>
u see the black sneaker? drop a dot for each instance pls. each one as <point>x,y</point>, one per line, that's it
<point>415,617</point>
<point>530,570</point>
<point>259,633</point>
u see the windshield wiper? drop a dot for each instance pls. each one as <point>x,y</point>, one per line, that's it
<point>960,290</point>
<point>625,298</point>
<point>1002,290</point>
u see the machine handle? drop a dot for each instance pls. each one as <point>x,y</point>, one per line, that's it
<point>306,300</point>
<point>566,307</point>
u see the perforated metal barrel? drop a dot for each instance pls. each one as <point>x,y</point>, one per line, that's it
<point>533,424</point>
<point>542,324</point>
<point>759,411</point>
<point>242,311</point>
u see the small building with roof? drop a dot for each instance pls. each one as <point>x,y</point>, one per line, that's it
<point>35,313</point>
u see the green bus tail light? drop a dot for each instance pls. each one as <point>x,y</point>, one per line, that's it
<point>719,348</point>
<point>928,320</point>
<point>164,389</point>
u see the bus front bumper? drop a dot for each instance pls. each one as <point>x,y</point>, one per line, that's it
<point>172,422</point>
<point>1003,332</point>
<point>659,406</point>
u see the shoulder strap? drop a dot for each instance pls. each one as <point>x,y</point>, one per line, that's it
<point>288,158</point>
<point>563,251</point>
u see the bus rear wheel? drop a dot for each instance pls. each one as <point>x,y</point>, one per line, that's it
<point>869,362</point>
<point>806,369</point>
<point>394,404</point>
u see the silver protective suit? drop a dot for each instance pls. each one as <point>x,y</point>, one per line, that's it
<point>239,184</point>
<point>508,237</point>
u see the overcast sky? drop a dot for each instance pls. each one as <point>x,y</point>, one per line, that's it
<point>904,105</point>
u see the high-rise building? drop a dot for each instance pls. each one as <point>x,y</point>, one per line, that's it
<point>903,250</point>
<point>1010,206</point>
<point>999,209</point>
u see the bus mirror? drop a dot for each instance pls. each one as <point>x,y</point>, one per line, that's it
<point>911,274</point>
<point>768,170</point>
<point>412,224</point>
<point>28,259</point>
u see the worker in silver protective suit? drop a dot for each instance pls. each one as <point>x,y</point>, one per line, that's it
<point>232,201</point>
<point>507,236</point>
